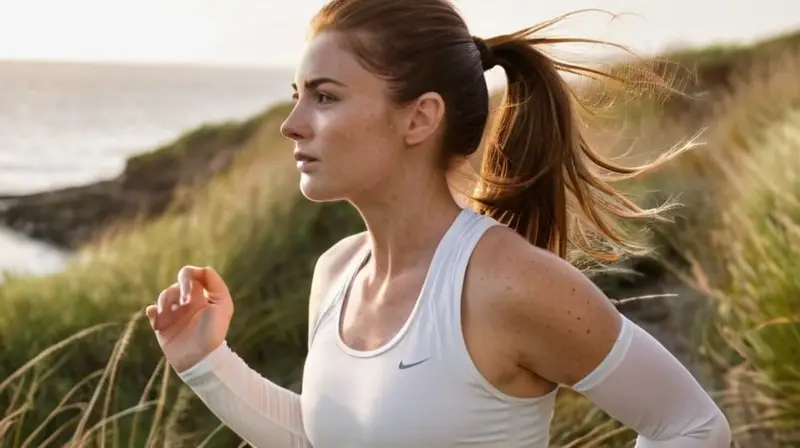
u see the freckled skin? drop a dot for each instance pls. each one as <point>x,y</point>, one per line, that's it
<point>349,128</point>
<point>565,325</point>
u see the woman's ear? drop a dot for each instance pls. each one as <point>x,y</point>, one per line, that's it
<point>425,116</point>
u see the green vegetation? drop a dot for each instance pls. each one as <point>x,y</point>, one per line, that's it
<point>80,364</point>
<point>737,239</point>
<point>733,56</point>
<point>205,141</point>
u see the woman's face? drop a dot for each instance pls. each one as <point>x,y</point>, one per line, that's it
<point>348,134</point>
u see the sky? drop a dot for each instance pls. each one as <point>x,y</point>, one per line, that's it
<point>271,32</point>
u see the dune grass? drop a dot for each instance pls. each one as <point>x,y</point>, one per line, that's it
<point>80,367</point>
<point>737,238</point>
<point>759,296</point>
<point>750,268</point>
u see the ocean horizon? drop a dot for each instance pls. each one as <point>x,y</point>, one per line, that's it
<point>71,123</point>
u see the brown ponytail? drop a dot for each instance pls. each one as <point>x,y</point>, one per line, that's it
<point>539,175</point>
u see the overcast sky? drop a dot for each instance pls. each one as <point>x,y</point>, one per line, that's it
<point>270,32</point>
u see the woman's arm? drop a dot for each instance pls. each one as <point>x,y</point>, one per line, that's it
<point>569,333</point>
<point>642,385</point>
<point>258,410</point>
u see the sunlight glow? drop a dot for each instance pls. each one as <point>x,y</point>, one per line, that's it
<point>269,32</point>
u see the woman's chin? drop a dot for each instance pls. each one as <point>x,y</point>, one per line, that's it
<point>316,191</point>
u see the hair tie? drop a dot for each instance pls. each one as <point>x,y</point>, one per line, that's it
<point>487,57</point>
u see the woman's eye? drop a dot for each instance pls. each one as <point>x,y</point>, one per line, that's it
<point>323,98</point>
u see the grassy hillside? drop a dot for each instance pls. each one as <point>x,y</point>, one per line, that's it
<point>80,363</point>
<point>736,239</point>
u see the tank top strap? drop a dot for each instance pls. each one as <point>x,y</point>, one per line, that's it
<point>335,295</point>
<point>448,310</point>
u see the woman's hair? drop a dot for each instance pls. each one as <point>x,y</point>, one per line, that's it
<point>539,175</point>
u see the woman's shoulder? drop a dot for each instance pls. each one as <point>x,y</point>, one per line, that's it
<point>529,284</point>
<point>506,256</point>
<point>544,303</point>
<point>331,264</point>
<point>341,254</point>
<point>511,277</point>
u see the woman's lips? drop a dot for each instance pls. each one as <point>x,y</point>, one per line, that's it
<point>304,161</point>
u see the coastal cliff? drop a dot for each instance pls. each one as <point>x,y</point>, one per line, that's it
<point>150,184</point>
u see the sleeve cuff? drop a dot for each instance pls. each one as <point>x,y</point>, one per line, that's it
<point>611,361</point>
<point>200,373</point>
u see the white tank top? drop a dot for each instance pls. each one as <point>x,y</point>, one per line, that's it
<point>421,389</point>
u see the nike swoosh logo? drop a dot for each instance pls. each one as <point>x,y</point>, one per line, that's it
<point>407,366</point>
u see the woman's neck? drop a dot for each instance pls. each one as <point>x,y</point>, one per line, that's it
<point>406,221</point>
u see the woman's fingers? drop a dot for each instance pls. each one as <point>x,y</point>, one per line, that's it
<point>195,286</point>
<point>167,298</point>
<point>151,312</point>
<point>185,283</point>
<point>169,309</point>
<point>208,278</point>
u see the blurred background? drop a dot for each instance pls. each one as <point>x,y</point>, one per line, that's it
<point>129,127</point>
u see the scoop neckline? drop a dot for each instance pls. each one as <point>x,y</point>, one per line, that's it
<point>345,293</point>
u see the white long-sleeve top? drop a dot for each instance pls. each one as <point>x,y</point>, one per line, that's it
<point>421,388</point>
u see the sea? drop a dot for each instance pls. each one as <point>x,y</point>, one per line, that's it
<point>67,124</point>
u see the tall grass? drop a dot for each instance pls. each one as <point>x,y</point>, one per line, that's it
<point>760,302</point>
<point>758,288</point>
<point>738,241</point>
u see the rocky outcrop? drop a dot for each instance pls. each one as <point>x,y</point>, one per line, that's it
<point>71,217</point>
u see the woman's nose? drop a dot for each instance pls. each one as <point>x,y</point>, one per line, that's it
<point>293,127</point>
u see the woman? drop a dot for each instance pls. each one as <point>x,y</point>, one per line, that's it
<point>440,326</point>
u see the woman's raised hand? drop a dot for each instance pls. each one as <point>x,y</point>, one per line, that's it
<point>191,317</point>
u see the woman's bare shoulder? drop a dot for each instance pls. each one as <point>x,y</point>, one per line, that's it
<point>331,264</point>
<point>342,252</point>
<point>562,323</point>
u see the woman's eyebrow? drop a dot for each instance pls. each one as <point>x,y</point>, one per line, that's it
<point>316,82</point>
